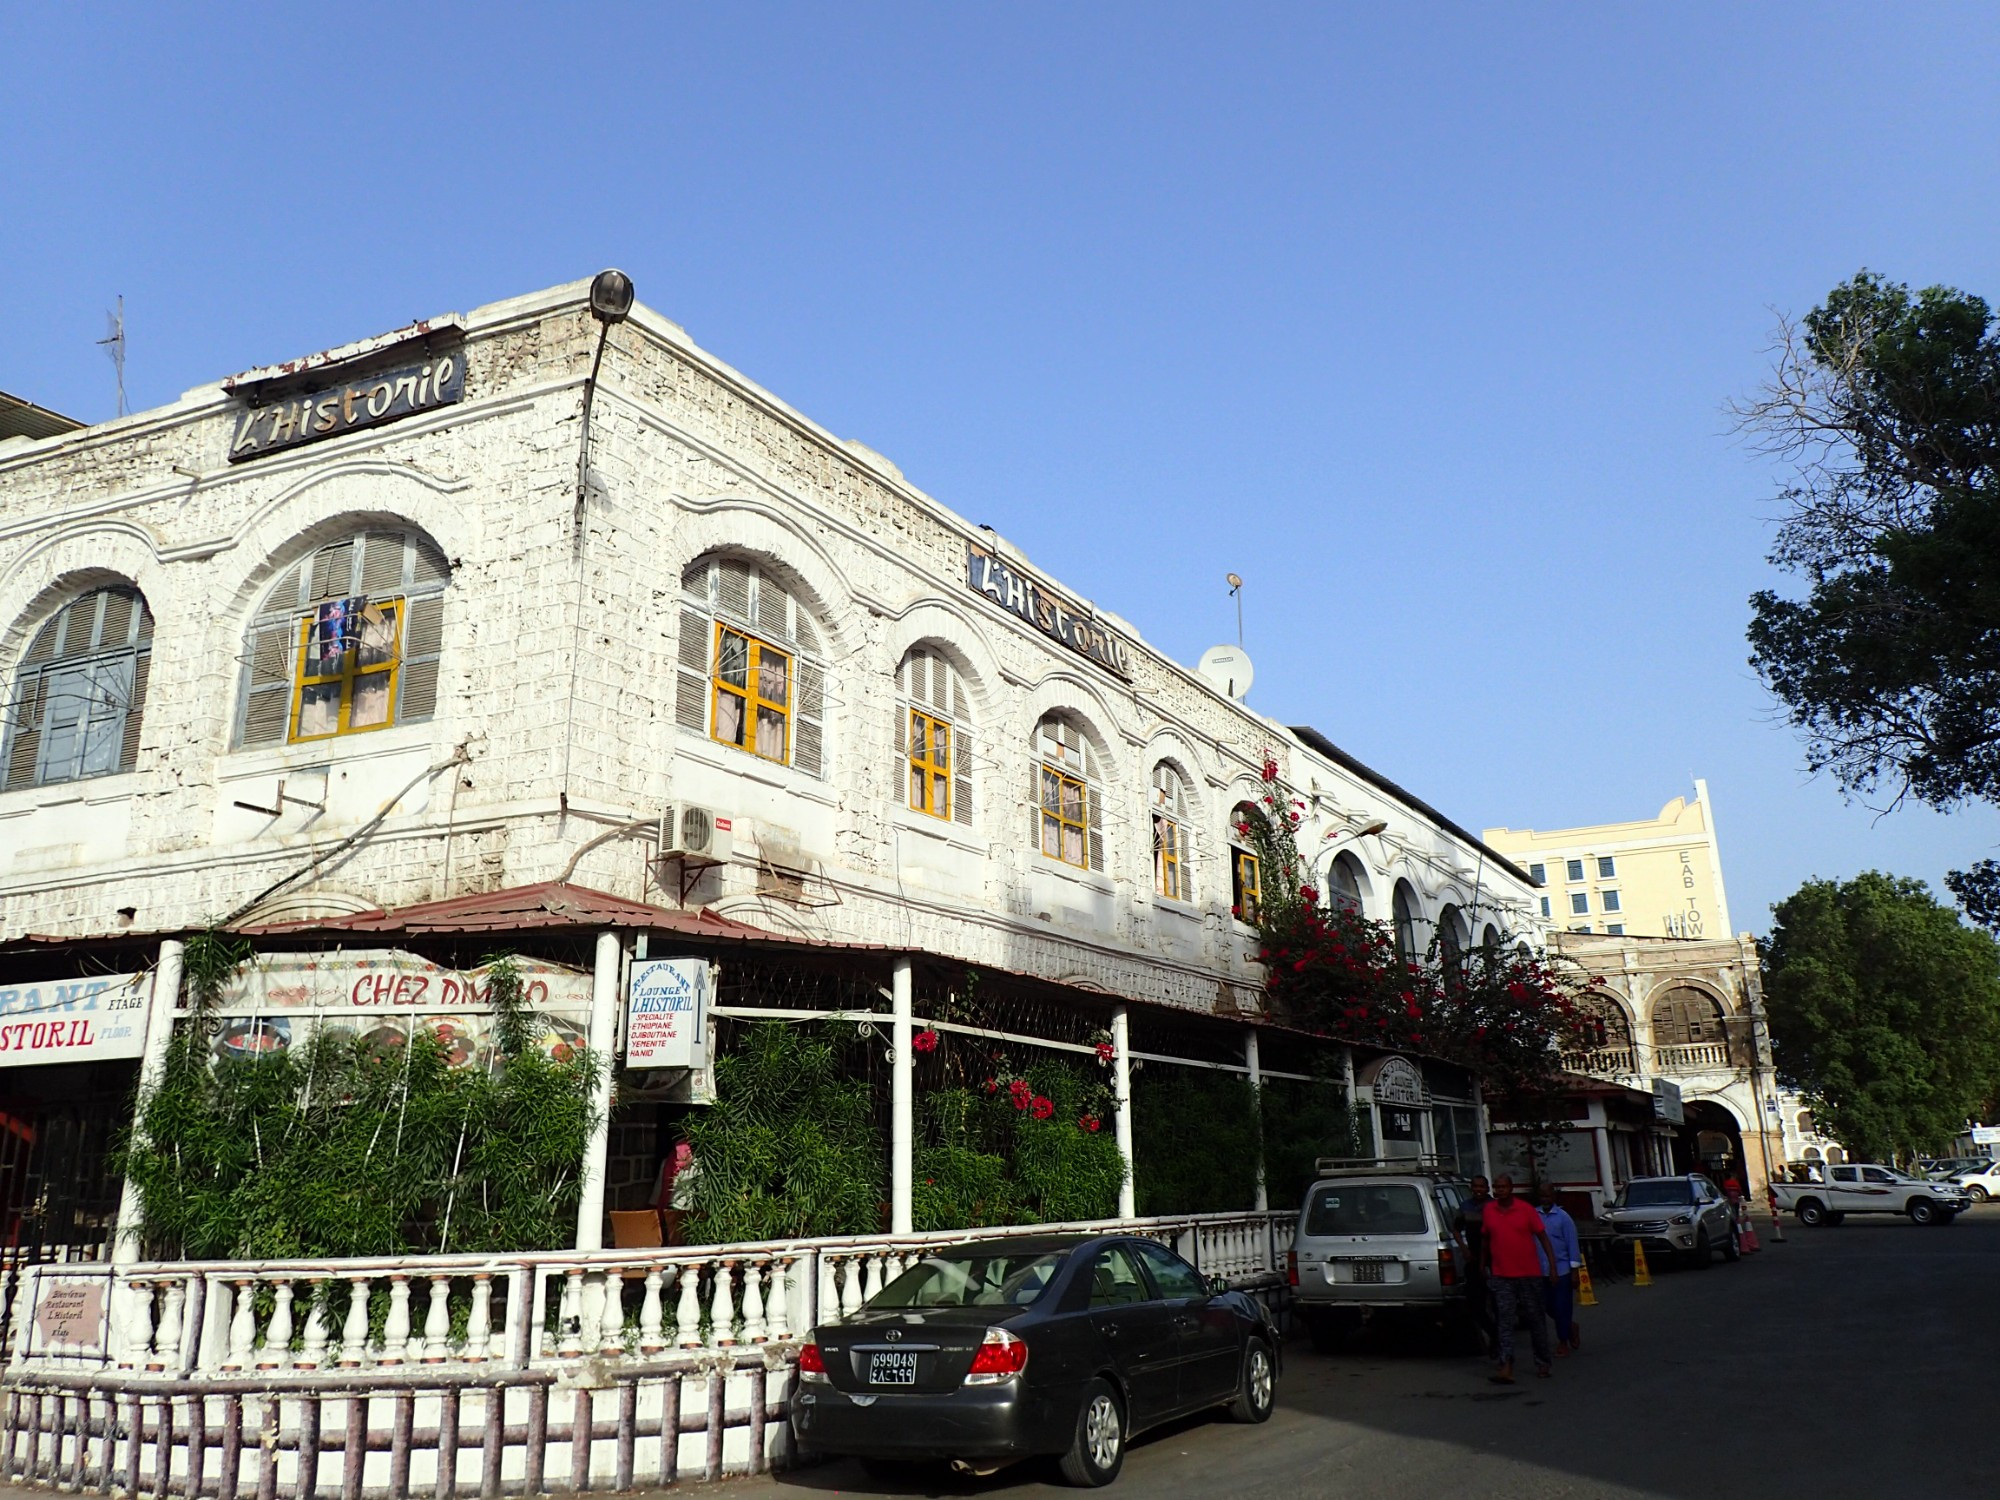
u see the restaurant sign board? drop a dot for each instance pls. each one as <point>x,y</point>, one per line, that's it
<point>666,1011</point>
<point>72,1020</point>
<point>365,400</point>
<point>382,996</point>
<point>69,1314</point>
<point>1019,594</point>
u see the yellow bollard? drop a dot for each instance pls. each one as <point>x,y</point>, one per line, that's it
<point>1586,1295</point>
<point>1640,1275</point>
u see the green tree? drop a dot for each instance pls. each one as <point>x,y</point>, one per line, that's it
<point>1884,1011</point>
<point>1887,402</point>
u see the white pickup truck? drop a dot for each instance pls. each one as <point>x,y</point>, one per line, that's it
<point>1825,1194</point>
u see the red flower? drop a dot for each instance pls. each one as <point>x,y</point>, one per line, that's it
<point>1088,1122</point>
<point>1020,1101</point>
<point>1106,1052</point>
<point>992,1085</point>
<point>1043,1107</point>
<point>1270,772</point>
<point>1308,894</point>
<point>924,1041</point>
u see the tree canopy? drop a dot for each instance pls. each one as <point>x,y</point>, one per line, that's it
<point>1885,1012</point>
<point>1887,402</point>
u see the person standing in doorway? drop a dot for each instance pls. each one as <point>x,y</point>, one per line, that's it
<point>1569,1256</point>
<point>1472,1235</point>
<point>1519,1263</point>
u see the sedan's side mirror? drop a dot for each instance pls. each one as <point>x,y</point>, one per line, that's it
<point>1217,1285</point>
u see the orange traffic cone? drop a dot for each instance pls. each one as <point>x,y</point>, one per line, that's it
<point>1640,1275</point>
<point>1749,1237</point>
<point>1586,1295</point>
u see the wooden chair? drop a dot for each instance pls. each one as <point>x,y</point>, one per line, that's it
<point>636,1229</point>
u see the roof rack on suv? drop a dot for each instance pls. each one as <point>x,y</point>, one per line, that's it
<point>1385,1164</point>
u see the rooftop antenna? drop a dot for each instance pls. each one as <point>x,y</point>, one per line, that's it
<point>1236,593</point>
<point>113,344</point>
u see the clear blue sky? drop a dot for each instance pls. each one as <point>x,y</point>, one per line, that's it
<point>1420,318</point>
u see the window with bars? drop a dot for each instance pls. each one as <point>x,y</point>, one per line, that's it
<point>80,697</point>
<point>749,672</point>
<point>933,743</point>
<point>347,641</point>
<point>1173,852</point>
<point>1063,791</point>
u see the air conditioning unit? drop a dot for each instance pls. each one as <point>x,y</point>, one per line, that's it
<point>689,832</point>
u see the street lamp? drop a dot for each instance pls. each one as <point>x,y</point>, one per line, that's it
<point>610,304</point>
<point>1360,833</point>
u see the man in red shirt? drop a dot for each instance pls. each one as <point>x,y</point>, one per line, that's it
<point>1519,1259</point>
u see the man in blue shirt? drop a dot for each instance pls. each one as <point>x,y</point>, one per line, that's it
<point>1569,1257</point>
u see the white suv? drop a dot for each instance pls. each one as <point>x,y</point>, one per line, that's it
<point>1980,1183</point>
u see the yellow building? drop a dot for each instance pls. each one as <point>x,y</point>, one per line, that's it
<point>1657,877</point>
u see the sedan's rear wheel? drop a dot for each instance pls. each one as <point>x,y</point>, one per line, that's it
<point>1097,1452</point>
<point>1257,1389</point>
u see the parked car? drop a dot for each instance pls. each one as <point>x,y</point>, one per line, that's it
<point>1978,1183</point>
<point>1828,1194</point>
<point>1949,1166</point>
<point>1686,1217</point>
<point>987,1353</point>
<point>1378,1239</point>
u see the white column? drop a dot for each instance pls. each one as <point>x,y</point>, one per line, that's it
<point>1251,1062</point>
<point>902,1092</point>
<point>604,1047</point>
<point>1484,1126</point>
<point>1121,1106</point>
<point>159,1031</point>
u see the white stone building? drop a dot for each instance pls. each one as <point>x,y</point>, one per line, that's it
<point>349,633</point>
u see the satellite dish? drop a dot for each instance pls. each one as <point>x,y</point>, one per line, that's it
<point>1228,670</point>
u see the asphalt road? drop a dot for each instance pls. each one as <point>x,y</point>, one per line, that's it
<point>1863,1360</point>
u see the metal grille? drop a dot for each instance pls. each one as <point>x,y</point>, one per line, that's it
<point>58,1193</point>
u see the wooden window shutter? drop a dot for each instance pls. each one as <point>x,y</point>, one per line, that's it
<point>381,563</point>
<point>44,644</point>
<point>808,733</point>
<point>694,581</point>
<point>267,698</point>
<point>961,777</point>
<point>27,742</point>
<point>332,573</point>
<point>732,594</point>
<point>423,646</point>
<point>899,775</point>
<point>128,754</point>
<point>1094,800</point>
<point>117,629</point>
<point>426,565</point>
<point>774,617</point>
<point>691,673</point>
<point>1035,795</point>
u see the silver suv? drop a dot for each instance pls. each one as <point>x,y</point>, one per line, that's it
<point>1377,1238</point>
<point>1684,1216</point>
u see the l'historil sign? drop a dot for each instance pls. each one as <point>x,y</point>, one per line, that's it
<point>665,1013</point>
<point>1021,595</point>
<point>364,401</point>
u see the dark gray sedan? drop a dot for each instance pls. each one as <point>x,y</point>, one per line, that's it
<point>988,1353</point>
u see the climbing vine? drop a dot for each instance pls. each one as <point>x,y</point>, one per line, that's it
<point>344,1147</point>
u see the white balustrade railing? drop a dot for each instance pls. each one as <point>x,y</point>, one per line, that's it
<point>521,1311</point>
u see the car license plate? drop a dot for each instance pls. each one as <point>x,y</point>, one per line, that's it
<point>1366,1270</point>
<point>892,1367</point>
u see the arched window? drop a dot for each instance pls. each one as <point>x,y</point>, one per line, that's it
<point>1404,908</point>
<point>933,745</point>
<point>1685,1017</point>
<point>1451,941</point>
<point>81,692</point>
<point>1246,874</point>
<point>1344,882</point>
<point>1490,941</point>
<point>346,641</point>
<point>1805,1122</point>
<point>750,672</point>
<point>1173,848</point>
<point>1069,815</point>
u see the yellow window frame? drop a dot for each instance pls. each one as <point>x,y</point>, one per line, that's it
<point>1055,818</point>
<point>1249,881</point>
<point>750,694</point>
<point>350,674</point>
<point>1169,856</point>
<point>930,764</point>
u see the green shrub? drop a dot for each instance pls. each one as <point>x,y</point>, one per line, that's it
<point>1196,1142</point>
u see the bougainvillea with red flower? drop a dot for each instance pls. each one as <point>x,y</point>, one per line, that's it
<point>1502,1010</point>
